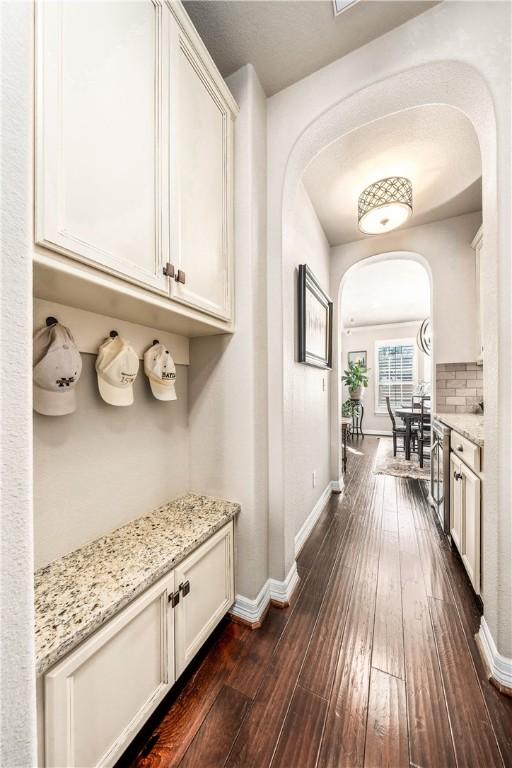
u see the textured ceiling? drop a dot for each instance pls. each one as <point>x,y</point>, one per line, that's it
<point>388,291</point>
<point>286,40</point>
<point>434,146</point>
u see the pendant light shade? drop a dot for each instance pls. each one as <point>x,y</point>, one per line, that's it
<point>385,205</point>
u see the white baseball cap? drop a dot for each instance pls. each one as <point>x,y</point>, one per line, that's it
<point>160,369</point>
<point>117,366</point>
<point>57,368</point>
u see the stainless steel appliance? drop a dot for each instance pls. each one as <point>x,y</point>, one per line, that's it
<point>440,473</point>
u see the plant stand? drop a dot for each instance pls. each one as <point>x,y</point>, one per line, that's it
<point>357,418</point>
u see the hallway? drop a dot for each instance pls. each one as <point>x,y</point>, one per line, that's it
<point>373,664</point>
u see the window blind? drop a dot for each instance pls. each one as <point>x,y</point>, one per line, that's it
<point>395,375</point>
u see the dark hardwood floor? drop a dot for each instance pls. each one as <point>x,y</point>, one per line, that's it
<point>374,663</point>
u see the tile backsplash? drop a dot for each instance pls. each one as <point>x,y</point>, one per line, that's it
<point>459,387</point>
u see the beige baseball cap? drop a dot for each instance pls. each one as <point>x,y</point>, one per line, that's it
<point>117,366</point>
<point>160,369</point>
<point>57,368</point>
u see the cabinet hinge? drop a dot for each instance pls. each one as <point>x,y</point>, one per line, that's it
<point>184,588</point>
<point>180,276</point>
<point>168,270</point>
<point>174,598</point>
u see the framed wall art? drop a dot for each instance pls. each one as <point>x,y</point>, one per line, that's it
<point>357,358</point>
<point>315,321</point>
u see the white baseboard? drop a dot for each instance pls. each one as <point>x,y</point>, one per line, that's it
<point>252,611</point>
<point>281,591</point>
<point>309,522</point>
<point>379,432</point>
<point>500,666</point>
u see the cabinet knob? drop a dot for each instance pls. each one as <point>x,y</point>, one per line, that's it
<point>180,276</point>
<point>460,448</point>
<point>174,599</point>
<point>185,588</point>
<point>168,270</point>
<point>457,475</point>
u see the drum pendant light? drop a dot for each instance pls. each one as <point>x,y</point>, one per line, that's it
<point>385,205</point>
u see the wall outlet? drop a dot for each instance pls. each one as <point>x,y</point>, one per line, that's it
<point>313,479</point>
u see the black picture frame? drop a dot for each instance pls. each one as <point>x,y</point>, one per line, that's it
<point>315,321</point>
<point>354,357</point>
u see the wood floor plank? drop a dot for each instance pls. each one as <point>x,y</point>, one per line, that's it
<point>257,652</point>
<point>473,736</point>
<point>388,641</point>
<point>430,740</point>
<point>434,572</point>
<point>406,523</point>
<point>215,737</point>
<point>300,737</point>
<point>180,724</point>
<point>389,506</point>
<point>345,728</point>
<point>256,740</point>
<point>387,744</point>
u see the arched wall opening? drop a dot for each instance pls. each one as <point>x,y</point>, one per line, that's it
<point>459,86</point>
<point>349,333</point>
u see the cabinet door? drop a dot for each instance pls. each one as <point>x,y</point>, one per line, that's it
<point>100,695</point>
<point>471,525</point>
<point>99,139</point>
<point>201,182</point>
<point>205,583</point>
<point>456,529</point>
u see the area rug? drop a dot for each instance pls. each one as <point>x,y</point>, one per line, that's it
<point>387,464</point>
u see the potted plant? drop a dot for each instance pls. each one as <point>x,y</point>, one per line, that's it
<point>356,378</point>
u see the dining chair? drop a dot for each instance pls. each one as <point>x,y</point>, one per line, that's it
<point>399,430</point>
<point>424,434</point>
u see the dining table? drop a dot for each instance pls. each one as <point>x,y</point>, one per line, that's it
<point>409,416</point>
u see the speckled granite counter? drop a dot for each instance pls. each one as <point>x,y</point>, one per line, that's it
<point>470,425</point>
<point>75,595</point>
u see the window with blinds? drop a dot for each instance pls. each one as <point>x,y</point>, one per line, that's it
<point>395,374</point>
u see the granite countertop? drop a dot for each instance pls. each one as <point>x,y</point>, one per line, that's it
<point>78,593</point>
<point>470,425</point>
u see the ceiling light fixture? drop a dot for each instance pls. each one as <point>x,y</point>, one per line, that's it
<point>385,205</point>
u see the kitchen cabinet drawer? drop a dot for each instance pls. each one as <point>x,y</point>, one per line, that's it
<point>205,582</point>
<point>465,450</point>
<point>99,696</point>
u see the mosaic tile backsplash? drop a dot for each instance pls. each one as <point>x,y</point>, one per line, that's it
<point>459,387</point>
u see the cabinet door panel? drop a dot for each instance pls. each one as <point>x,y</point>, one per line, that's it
<point>456,529</point>
<point>98,135</point>
<point>209,573</point>
<point>471,524</point>
<point>99,696</point>
<point>201,189</point>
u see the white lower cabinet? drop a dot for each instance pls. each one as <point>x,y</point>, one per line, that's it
<point>205,584</point>
<point>99,696</point>
<point>465,517</point>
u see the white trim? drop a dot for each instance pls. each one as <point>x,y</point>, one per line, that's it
<point>283,590</point>
<point>499,666</point>
<point>379,432</point>
<point>309,522</point>
<point>378,326</point>
<point>337,485</point>
<point>253,611</point>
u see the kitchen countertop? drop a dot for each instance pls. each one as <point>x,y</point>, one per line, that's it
<point>470,425</point>
<point>78,593</point>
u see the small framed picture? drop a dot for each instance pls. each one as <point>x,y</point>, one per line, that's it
<point>357,358</point>
<point>315,321</point>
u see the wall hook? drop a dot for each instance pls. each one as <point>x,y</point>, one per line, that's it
<point>155,341</point>
<point>113,334</point>
<point>51,321</point>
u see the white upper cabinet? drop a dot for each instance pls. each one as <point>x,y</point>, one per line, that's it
<point>134,134</point>
<point>98,180</point>
<point>200,173</point>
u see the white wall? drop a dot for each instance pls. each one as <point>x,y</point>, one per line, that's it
<point>17,679</point>
<point>227,385</point>
<point>306,389</point>
<point>446,248</point>
<point>427,60</point>
<point>103,466</point>
<point>365,339</point>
